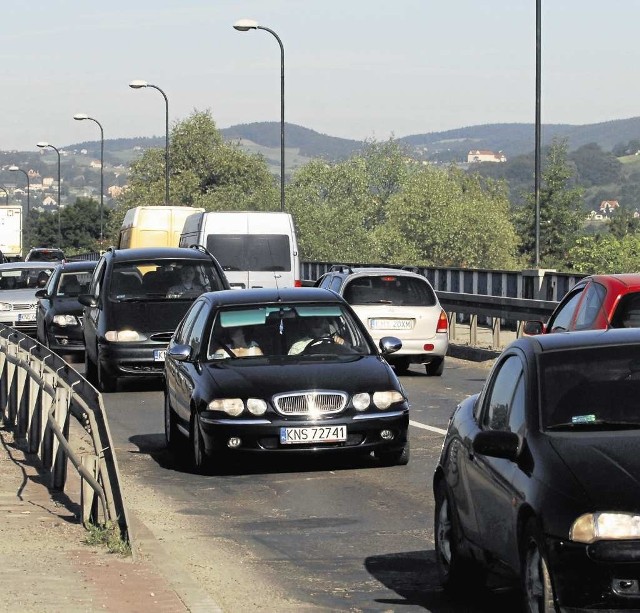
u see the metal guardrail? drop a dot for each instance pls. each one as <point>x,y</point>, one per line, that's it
<point>39,393</point>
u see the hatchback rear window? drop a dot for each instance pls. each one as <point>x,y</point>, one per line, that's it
<point>390,289</point>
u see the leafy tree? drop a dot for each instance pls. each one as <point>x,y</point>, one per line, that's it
<point>561,212</point>
<point>605,254</point>
<point>205,171</point>
<point>595,166</point>
<point>623,222</point>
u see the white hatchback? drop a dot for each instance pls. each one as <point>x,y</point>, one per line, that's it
<point>399,303</point>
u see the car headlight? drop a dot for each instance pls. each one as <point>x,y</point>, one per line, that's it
<point>605,526</point>
<point>65,320</point>
<point>383,400</point>
<point>257,406</point>
<point>361,401</point>
<point>6,306</point>
<point>124,336</point>
<point>231,406</point>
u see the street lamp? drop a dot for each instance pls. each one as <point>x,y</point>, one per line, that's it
<point>138,84</point>
<point>6,194</point>
<point>81,117</point>
<point>243,25</point>
<point>537,135</point>
<point>44,145</point>
<point>14,168</point>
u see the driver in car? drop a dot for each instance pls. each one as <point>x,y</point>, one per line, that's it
<point>318,329</point>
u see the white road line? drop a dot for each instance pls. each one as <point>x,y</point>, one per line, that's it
<point>417,424</point>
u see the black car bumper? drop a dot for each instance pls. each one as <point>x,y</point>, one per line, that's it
<point>65,339</point>
<point>602,575</point>
<point>120,360</point>
<point>364,433</point>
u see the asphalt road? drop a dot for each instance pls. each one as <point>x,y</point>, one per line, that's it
<point>305,534</point>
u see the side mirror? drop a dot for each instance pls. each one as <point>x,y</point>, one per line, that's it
<point>42,293</point>
<point>532,328</point>
<point>180,353</point>
<point>87,300</point>
<point>497,444</point>
<point>390,344</point>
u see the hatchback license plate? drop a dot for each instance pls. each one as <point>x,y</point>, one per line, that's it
<point>391,324</point>
<point>313,434</point>
<point>159,355</point>
<point>26,316</point>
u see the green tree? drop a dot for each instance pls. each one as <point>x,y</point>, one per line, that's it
<point>605,254</point>
<point>623,222</point>
<point>561,211</point>
<point>205,171</point>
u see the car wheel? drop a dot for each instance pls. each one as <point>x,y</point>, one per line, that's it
<point>171,432</point>
<point>397,457</point>
<point>536,581</point>
<point>401,365</point>
<point>89,369</point>
<point>435,368</point>
<point>198,455</point>
<point>107,384</point>
<point>455,571</point>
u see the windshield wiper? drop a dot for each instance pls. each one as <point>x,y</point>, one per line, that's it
<point>600,424</point>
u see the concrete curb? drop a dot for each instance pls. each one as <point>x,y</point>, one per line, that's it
<point>473,354</point>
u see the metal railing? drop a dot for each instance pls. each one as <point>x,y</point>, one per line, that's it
<point>39,394</point>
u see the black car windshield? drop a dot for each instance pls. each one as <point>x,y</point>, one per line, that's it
<point>163,280</point>
<point>594,389</point>
<point>295,331</point>
<point>25,278</point>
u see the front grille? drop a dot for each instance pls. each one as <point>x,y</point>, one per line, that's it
<point>310,403</point>
<point>162,337</point>
<point>26,306</point>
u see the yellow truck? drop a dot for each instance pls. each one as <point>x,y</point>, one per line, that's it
<point>154,226</point>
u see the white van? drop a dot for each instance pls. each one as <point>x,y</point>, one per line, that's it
<point>154,226</point>
<point>255,249</point>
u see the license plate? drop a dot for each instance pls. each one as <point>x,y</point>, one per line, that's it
<point>26,316</point>
<point>313,434</point>
<point>391,324</point>
<point>159,355</point>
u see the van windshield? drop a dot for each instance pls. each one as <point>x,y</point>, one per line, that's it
<point>251,252</point>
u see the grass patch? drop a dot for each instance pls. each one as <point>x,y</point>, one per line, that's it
<point>108,535</point>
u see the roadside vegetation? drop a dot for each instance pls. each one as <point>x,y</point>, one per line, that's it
<point>381,205</point>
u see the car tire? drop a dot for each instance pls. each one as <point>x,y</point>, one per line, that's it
<point>537,587</point>
<point>455,571</point>
<point>401,365</point>
<point>435,368</point>
<point>199,459</point>
<point>89,369</point>
<point>172,434</point>
<point>106,383</point>
<point>397,457</point>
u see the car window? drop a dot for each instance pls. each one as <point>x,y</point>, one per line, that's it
<point>505,393</point>
<point>98,275</point>
<point>561,319</point>
<point>197,332</point>
<point>184,328</point>
<point>391,289</point>
<point>25,278</point>
<point>627,314</point>
<point>590,306</point>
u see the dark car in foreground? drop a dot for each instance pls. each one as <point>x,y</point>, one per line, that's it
<point>595,302</point>
<point>136,299</point>
<point>280,372</point>
<point>538,478</point>
<point>59,314</point>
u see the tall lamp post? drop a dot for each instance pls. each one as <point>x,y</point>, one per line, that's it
<point>81,117</point>
<point>537,134</point>
<point>6,194</point>
<point>44,145</point>
<point>138,84</point>
<point>243,25</point>
<point>15,168</point>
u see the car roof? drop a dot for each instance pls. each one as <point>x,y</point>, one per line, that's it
<point>239,297</point>
<point>567,341</point>
<point>85,265</point>
<point>377,271</point>
<point>28,265</point>
<point>629,281</point>
<point>145,253</point>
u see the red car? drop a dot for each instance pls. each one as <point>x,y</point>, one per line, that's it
<point>596,302</point>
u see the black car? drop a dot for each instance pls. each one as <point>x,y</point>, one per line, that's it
<point>266,371</point>
<point>538,475</point>
<point>59,314</point>
<point>136,299</point>
<point>44,254</point>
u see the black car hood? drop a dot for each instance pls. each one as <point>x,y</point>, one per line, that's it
<point>147,315</point>
<point>606,465</point>
<point>264,377</point>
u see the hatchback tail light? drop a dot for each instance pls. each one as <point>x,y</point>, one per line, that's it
<point>443,322</point>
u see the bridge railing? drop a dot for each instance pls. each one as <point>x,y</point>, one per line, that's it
<point>39,395</point>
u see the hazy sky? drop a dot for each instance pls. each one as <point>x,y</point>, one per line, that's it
<point>353,68</point>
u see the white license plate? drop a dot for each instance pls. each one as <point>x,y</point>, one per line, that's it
<point>159,355</point>
<point>391,324</point>
<point>26,316</point>
<point>313,434</point>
